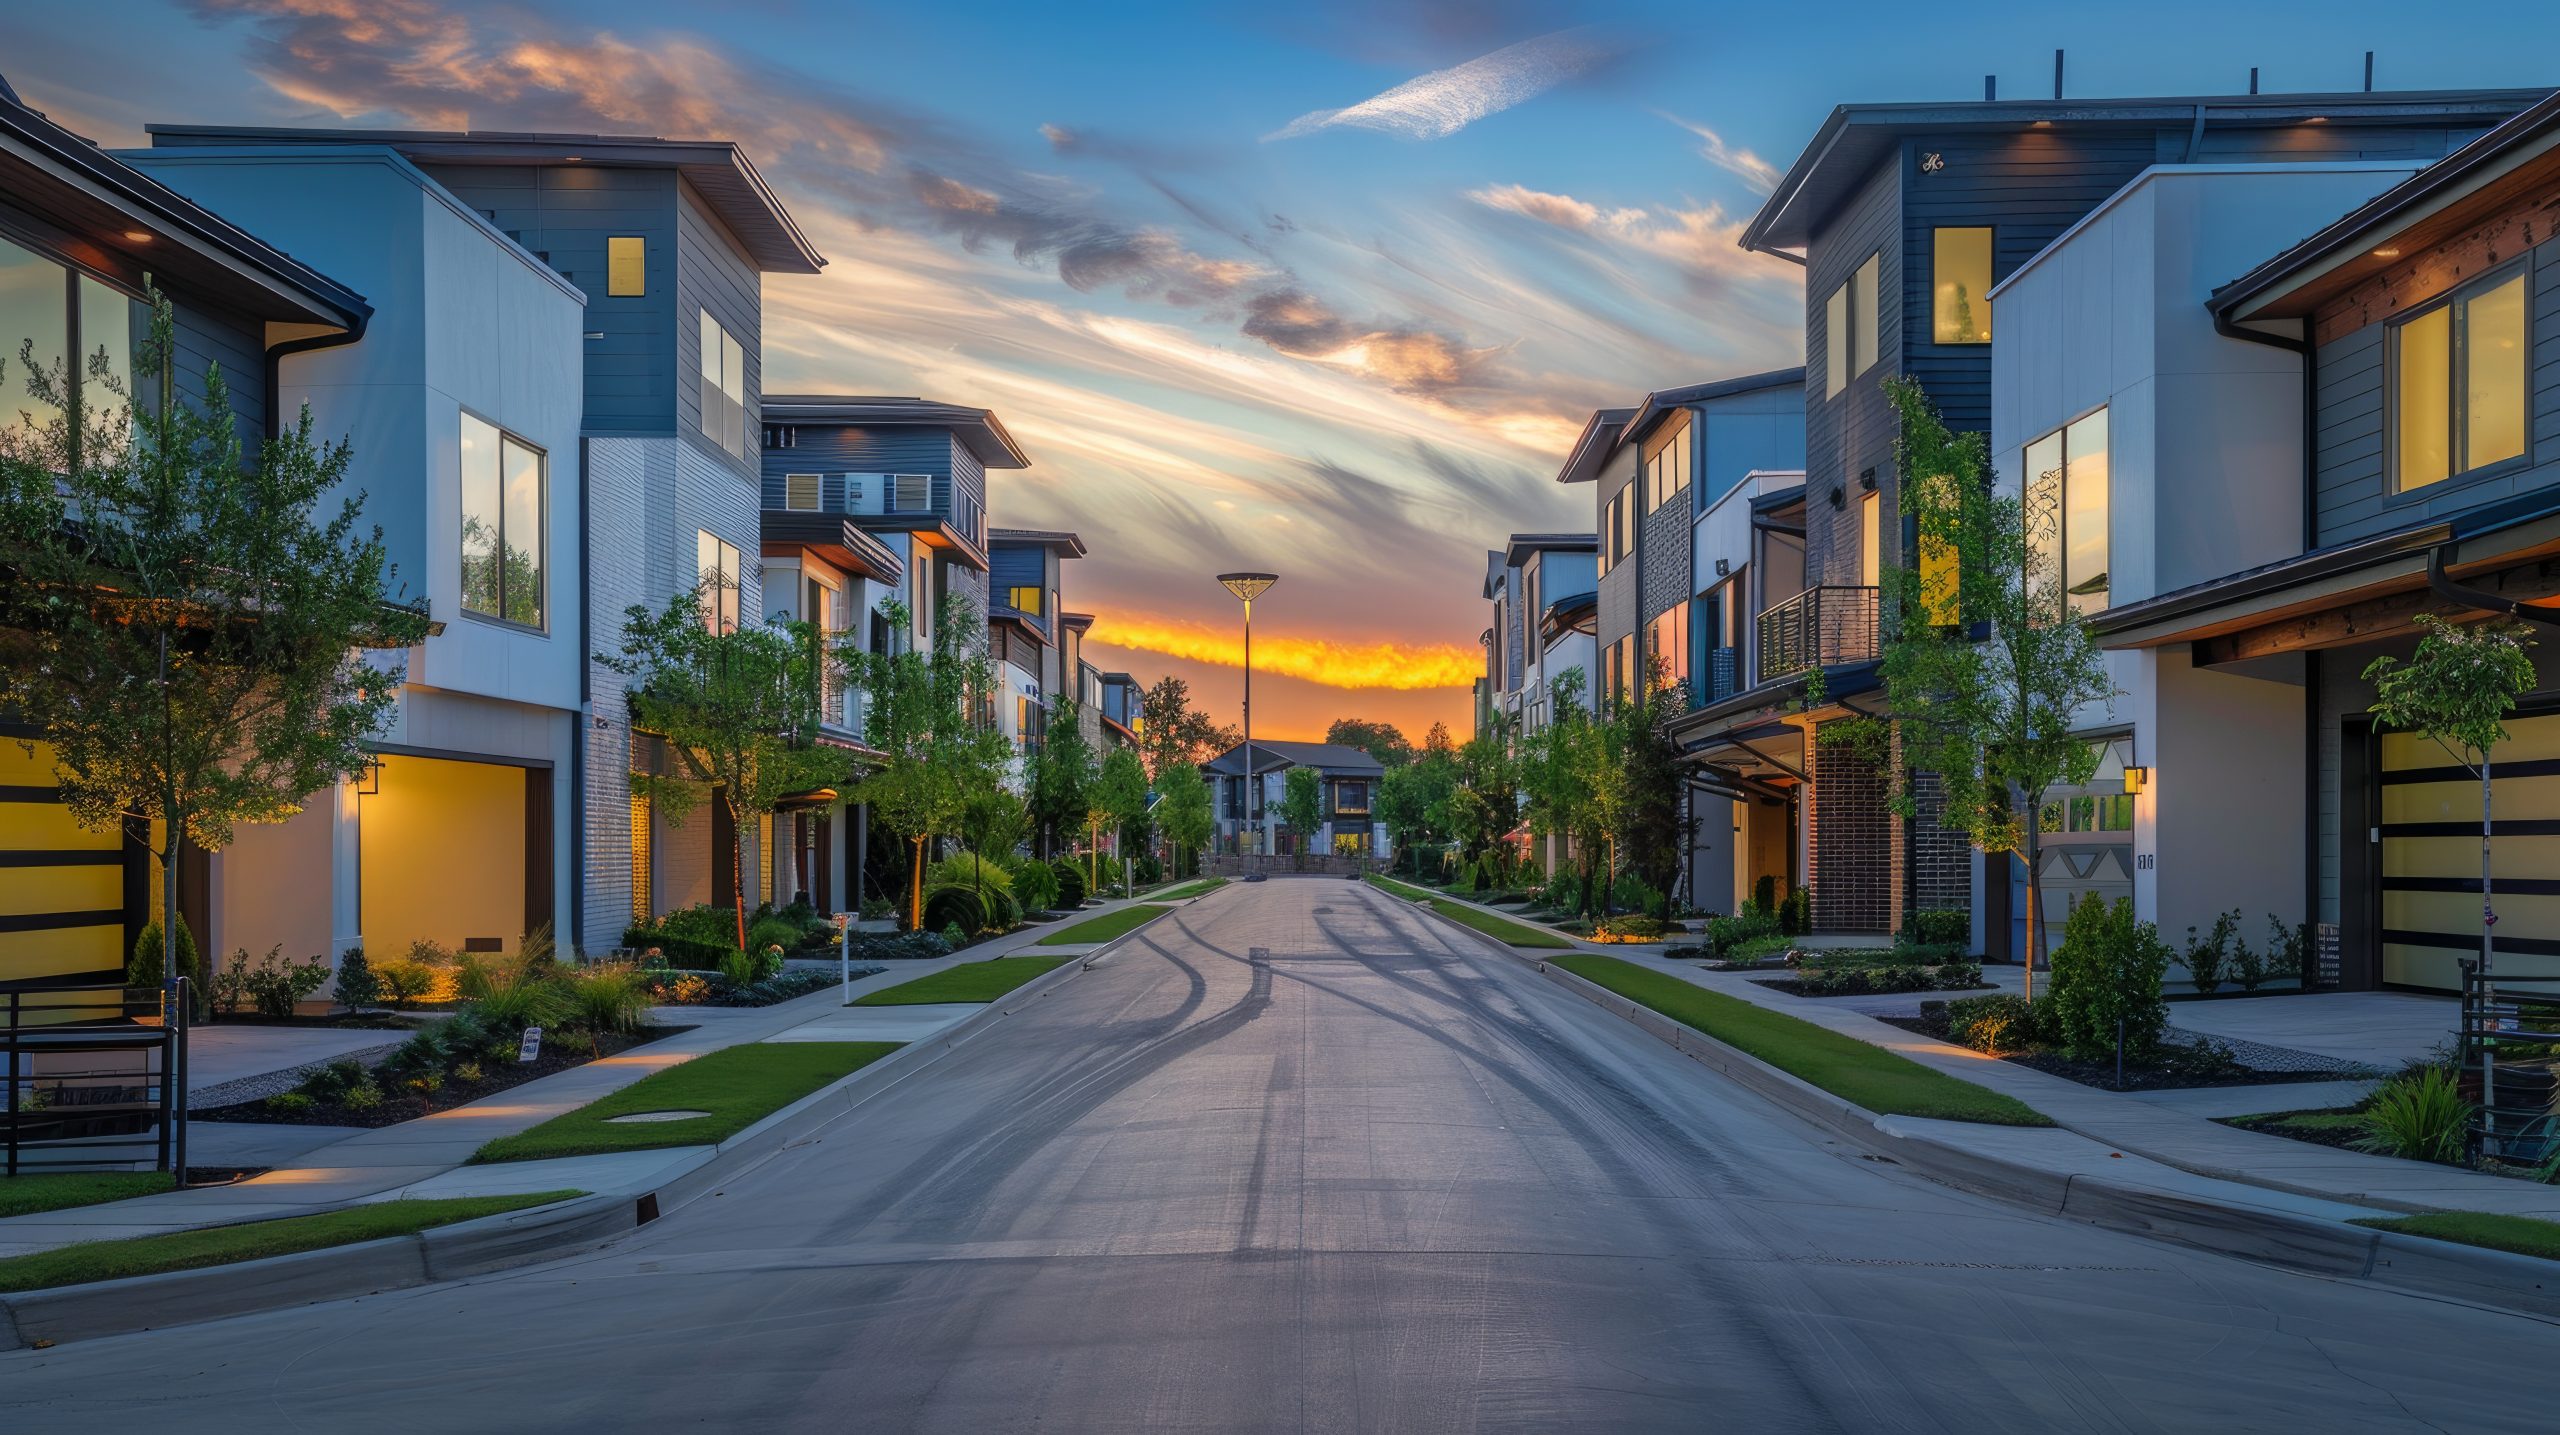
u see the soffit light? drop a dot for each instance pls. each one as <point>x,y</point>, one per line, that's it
<point>137,236</point>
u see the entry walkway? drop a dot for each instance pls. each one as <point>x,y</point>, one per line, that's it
<point>430,1156</point>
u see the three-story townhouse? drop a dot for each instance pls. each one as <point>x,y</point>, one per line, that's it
<point>2409,429</point>
<point>670,241</point>
<point>1038,655</point>
<point>1904,217</point>
<point>461,404</point>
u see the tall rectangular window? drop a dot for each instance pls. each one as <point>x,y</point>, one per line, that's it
<point>1668,637</point>
<point>1850,325</point>
<point>1023,599</point>
<point>720,571</point>
<point>626,266</point>
<point>724,387</point>
<point>1870,540</point>
<point>1667,471</point>
<point>504,499</point>
<point>1960,278</point>
<point>34,306</point>
<point>2458,391</point>
<point>2067,492</point>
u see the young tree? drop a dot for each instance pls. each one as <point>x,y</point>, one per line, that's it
<point>1380,740</point>
<point>1986,663</point>
<point>993,819</point>
<point>1558,766</point>
<point>736,710</point>
<point>926,715</point>
<point>1186,812</point>
<point>1484,803</point>
<point>1408,795</point>
<point>1648,830</point>
<point>1061,779</point>
<point>1302,807</point>
<point>1173,733</point>
<point>1438,740</point>
<point>183,618</point>
<point>2457,688</point>
<point>1120,795</point>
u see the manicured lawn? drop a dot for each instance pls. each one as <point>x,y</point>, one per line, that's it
<point>1094,929</point>
<point>2521,1234</point>
<point>737,1085</point>
<point>1501,929</point>
<point>1200,888</point>
<point>54,1190</point>
<point>968,982</point>
<point>221,1245</point>
<point>1874,1078</point>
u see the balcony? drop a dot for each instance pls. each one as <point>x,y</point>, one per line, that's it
<point>1819,627</point>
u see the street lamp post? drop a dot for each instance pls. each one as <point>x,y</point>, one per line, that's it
<point>1248,586</point>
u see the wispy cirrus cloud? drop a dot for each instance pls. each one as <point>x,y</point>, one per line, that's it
<point>1751,168</point>
<point>1443,102</point>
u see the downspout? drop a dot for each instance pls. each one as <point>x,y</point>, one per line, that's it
<point>586,722</point>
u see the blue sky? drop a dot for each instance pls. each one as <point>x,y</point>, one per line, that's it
<point>1231,326</point>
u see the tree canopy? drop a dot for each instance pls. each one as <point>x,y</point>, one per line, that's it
<point>925,712</point>
<point>1173,733</point>
<point>1378,739</point>
<point>1186,810</point>
<point>1061,775</point>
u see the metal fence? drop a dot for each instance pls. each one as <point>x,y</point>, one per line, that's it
<point>1817,627</point>
<point>94,1076</point>
<point>2510,1059</point>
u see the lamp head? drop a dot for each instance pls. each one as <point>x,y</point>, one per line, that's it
<point>1248,586</point>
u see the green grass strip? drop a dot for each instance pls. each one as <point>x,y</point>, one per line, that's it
<point>1501,929</point>
<point>738,1086</point>
<point>2521,1234</point>
<point>968,982</point>
<point>222,1245</point>
<point>56,1190</point>
<point>1104,927</point>
<point>1879,1080</point>
<point>1201,888</point>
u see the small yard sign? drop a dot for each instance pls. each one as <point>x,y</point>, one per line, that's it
<point>531,1050</point>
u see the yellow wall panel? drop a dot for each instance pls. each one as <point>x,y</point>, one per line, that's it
<point>61,889</point>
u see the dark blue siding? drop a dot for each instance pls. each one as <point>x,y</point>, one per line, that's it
<point>1847,435</point>
<point>837,449</point>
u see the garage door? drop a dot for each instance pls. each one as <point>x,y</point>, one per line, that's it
<point>2430,837</point>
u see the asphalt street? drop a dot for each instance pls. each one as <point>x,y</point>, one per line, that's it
<point>1300,1158</point>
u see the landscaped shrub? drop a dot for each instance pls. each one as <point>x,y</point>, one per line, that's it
<point>2290,952</point>
<point>144,968</point>
<point>1764,895</point>
<point>1036,886</point>
<point>332,1081</point>
<point>1795,914</point>
<point>2206,956</point>
<point>966,869</point>
<point>953,938</point>
<point>1071,893</point>
<point>774,931</point>
<point>290,1103</point>
<point>511,999</point>
<point>607,1000</point>
<point>1632,893</point>
<point>959,906</point>
<point>1996,1024</point>
<point>738,968</point>
<point>1760,948</point>
<point>272,985</point>
<point>2420,1115</point>
<point>1150,871</point>
<point>1742,926</point>
<point>358,988</point>
<point>1638,927</point>
<point>2248,964</point>
<point>2108,969</point>
<point>1563,892</point>
<point>405,981</point>
<point>1938,927</point>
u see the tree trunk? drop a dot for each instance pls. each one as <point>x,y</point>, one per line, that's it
<point>915,885</point>
<point>737,863</point>
<point>2035,900</point>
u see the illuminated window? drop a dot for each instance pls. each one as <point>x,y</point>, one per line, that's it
<point>1666,473</point>
<point>1668,637</point>
<point>721,576</point>
<point>503,500</point>
<point>2067,511</point>
<point>1960,277</point>
<point>626,266</point>
<point>2458,392</point>
<point>640,859</point>
<point>1870,540</point>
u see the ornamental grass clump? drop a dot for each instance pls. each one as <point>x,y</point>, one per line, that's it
<point>2418,1115</point>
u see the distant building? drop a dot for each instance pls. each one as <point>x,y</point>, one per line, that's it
<point>1245,808</point>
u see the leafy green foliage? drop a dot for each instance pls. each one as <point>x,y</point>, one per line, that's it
<point>1186,811</point>
<point>1035,885</point>
<point>1645,797</point>
<point>1120,797</point>
<point>926,714</point>
<point>144,969</point>
<point>275,986</point>
<point>357,987</point>
<point>1998,1023</point>
<point>2459,684</point>
<point>1064,779</point>
<point>1172,733</point>
<point>1381,740</point>
<point>2107,970</point>
<point>2418,1115</point>
<point>2208,956</point>
<point>1302,804</point>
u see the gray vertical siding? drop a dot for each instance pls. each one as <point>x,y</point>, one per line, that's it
<point>2352,485</point>
<point>1854,431</point>
<point>713,274</point>
<point>834,450</point>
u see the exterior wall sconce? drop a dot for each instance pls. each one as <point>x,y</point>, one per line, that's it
<point>2135,780</point>
<point>1839,496</point>
<point>370,784</point>
<point>1723,566</point>
<point>1867,479</point>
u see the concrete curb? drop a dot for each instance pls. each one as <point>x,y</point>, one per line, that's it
<point>2498,1279</point>
<point>491,1243</point>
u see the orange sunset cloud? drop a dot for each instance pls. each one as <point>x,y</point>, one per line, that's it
<point>1335,665</point>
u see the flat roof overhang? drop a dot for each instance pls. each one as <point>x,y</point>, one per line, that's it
<point>2353,594</point>
<point>932,531</point>
<point>835,539</point>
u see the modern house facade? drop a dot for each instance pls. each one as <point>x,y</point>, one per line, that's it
<point>2411,424</point>
<point>1349,781</point>
<point>1904,218</point>
<point>461,404</point>
<point>1038,656</point>
<point>670,241</point>
<point>82,237</point>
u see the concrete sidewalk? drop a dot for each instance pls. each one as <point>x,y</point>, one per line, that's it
<point>2173,1130</point>
<point>431,1155</point>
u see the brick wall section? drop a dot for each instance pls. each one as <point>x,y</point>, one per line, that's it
<point>1853,870</point>
<point>1941,860</point>
<point>1663,537</point>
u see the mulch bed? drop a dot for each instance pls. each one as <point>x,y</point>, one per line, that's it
<point>2174,1076</point>
<point>404,1105</point>
<point>1795,988</point>
<point>2331,1134</point>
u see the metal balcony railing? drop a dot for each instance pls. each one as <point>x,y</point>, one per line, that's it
<point>1818,627</point>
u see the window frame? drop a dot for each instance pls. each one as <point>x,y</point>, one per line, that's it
<point>723,437</point>
<point>730,606</point>
<point>2455,303</point>
<point>542,525</point>
<point>2061,434</point>
<point>1013,598</point>
<point>1843,364</point>
<point>626,272</point>
<point>817,487</point>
